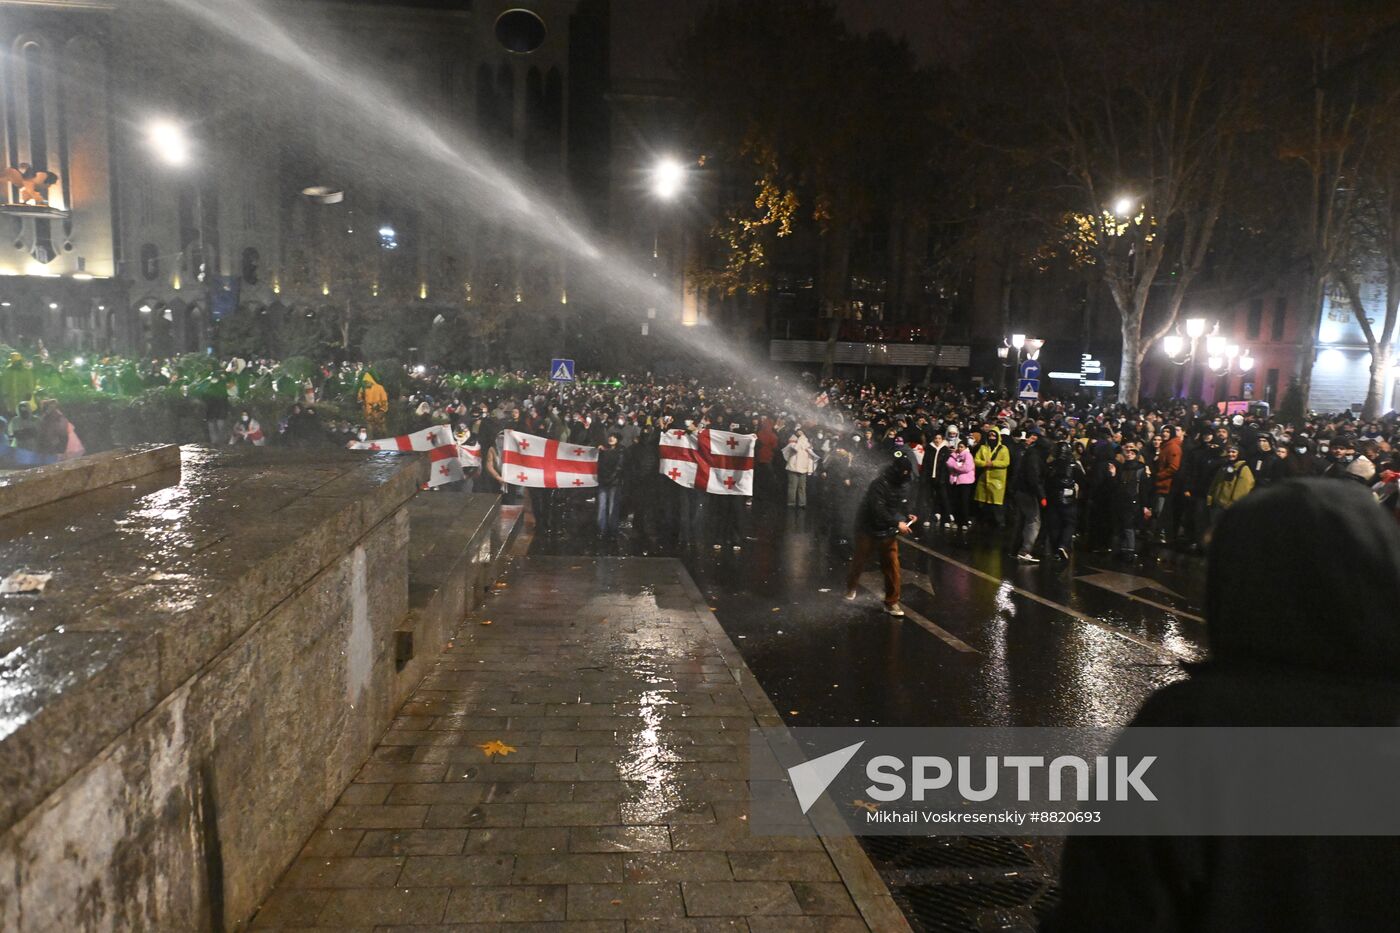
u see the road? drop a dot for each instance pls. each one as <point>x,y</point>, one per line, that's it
<point>988,641</point>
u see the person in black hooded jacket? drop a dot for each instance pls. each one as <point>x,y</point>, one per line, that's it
<point>881,518</point>
<point>1286,650</point>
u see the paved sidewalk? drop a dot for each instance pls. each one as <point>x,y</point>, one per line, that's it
<point>618,803</point>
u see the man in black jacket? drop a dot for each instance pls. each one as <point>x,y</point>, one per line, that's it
<point>611,471</point>
<point>881,519</point>
<point>1028,492</point>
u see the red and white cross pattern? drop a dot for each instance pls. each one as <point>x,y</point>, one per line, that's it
<point>715,461</point>
<point>437,442</point>
<point>540,463</point>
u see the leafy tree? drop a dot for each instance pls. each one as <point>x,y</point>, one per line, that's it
<point>809,127</point>
<point>1130,114</point>
<point>1327,130</point>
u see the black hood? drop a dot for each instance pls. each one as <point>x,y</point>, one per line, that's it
<point>1306,574</point>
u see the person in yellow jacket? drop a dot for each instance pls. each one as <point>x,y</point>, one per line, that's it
<point>1233,481</point>
<point>16,385</point>
<point>992,461</point>
<point>376,402</point>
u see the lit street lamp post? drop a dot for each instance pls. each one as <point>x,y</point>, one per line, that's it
<point>172,145</point>
<point>1220,355</point>
<point>668,182</point>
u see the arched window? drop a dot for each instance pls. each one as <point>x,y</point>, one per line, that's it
<point>505,100</point>
<point>251,258</point>
<point>150,261</point>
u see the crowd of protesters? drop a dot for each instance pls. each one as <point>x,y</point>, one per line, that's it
<point>1042,475</point>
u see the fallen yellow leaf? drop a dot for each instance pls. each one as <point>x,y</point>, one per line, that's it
<point>495,747</point>
<point>865,805</point>
<point>485,621</point>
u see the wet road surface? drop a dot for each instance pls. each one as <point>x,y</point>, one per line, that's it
<point>989,641</point>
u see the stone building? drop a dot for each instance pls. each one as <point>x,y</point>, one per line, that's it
<point>183,154</point>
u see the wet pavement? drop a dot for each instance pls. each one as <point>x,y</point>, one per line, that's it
<point>575,761</point>
<point>988,641</point>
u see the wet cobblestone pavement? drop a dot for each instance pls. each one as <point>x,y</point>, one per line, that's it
<point>988,641</point>
<point>575,762</point>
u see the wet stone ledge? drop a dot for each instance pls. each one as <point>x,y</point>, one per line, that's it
<point>209,665</point>
<point>30,489</point>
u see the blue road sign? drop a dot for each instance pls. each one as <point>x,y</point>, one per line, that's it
<point>1030,370</point>
<point>1030,389</point>
<point>561,370</point>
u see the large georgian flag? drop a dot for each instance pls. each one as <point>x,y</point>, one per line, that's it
<point>436,441</point>
<point>540,463</point>
<point>715,461</point>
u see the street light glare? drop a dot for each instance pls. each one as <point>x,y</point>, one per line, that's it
<point>666,178</point>
<point>168,140</point>
<point>1125,206</point>
<point>1018,340</point>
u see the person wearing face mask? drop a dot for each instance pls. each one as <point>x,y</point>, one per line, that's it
<point>1261,460</point>
<point>246,430</point>
<point>993,459</point>
<point>881,519</point>
<point>611,473</point>
<point>935,479</point>
<point>1233,481</point>
<point>801,463</point>
<point>962,476</point>
<point>627,429</point>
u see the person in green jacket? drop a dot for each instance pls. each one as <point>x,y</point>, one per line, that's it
<point>16,385</point>
<point>992,460</point>
<point>1233,481</point>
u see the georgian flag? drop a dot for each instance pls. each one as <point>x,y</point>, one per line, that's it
<point>439,444</point>
<point>715,461</point>
<point>918,451</point>
<point>540,463</point>
<point>469,455</point>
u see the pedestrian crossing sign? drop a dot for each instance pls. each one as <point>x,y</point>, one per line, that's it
<point>1029,389</point>
<point>561,370</point>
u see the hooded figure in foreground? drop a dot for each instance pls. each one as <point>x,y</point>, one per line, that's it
<point>880,520</point>
<point>1303,604</point>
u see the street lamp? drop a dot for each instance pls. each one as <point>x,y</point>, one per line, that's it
<point>1010,352</point>
<point>667,178</point>
<point>1219,354</point>
<point>169,142</point>
<point>1125,206</point>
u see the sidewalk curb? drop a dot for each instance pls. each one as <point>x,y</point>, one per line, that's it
<point>867,889</point>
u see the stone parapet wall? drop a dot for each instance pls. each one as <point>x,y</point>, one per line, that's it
<point>40,486</point>
<point>213,661</point>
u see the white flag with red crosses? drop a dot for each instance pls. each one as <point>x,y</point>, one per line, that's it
<point>437,442</point>
<point>540,463</point>
<point>715,461</point>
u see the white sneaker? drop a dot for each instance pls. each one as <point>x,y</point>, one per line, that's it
<point>850,596</point>
<point>895,610</point>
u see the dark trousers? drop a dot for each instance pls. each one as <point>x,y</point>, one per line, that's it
<point>1060,521</point>
<point>940,502</point>
<point>961,497</point>
<point>888,551</point>
<point>727,518</point>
